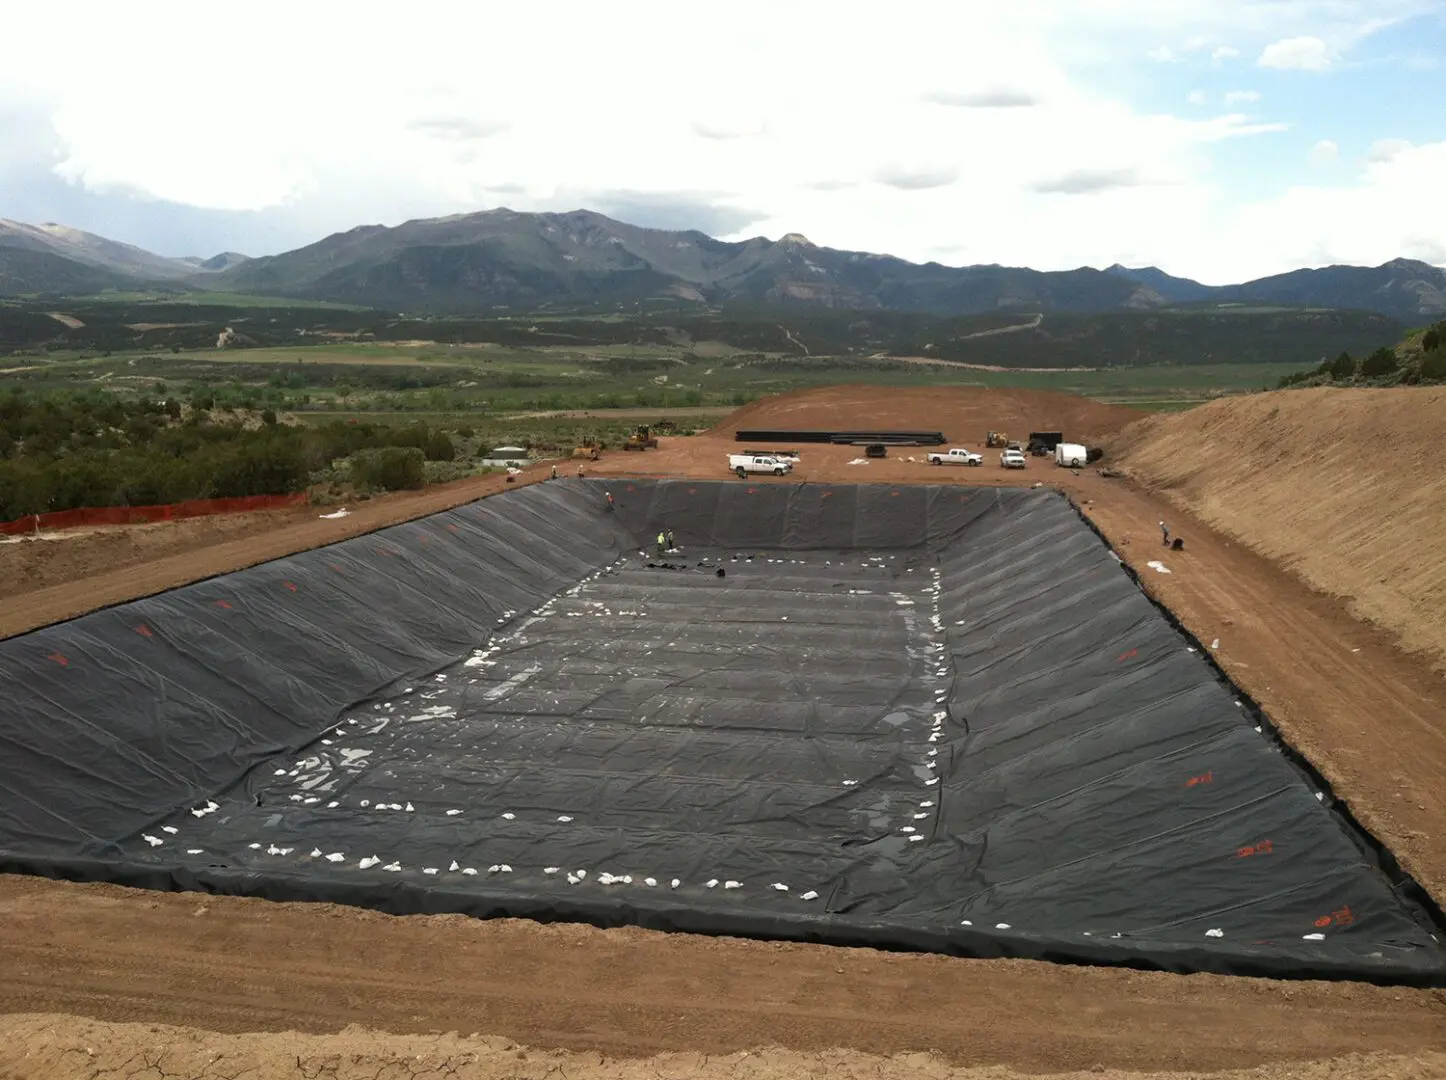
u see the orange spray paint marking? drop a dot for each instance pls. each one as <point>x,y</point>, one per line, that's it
<point>1323,922</point>
<point>1203,778</point>
<point>144,630</point>
<point>1265,847</point>
<point>1127,656</point>
<point>222,604</point>
<point>290,585</point>
<point>59,659</point>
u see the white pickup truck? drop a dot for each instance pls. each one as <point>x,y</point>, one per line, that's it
<point>743,464</point>
<point>790,456</point>
<point>955,456</point>
<point>1012,459</point>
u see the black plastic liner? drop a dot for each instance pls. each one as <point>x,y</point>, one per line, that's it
<point>852,438</point>
<point>918,717</point>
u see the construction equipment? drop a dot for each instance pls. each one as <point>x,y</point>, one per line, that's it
<point>588,449</point>
<point>996,438</point>
<point>1042,443</point>
<point>641,439</point>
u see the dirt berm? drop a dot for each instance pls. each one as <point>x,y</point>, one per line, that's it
<point>963,413</point>
<point>1345,487</point>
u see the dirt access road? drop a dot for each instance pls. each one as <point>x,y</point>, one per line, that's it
<point>231,965</point>
<point>235,965</point>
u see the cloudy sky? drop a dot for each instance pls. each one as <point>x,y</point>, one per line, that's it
<point>1217,139</point>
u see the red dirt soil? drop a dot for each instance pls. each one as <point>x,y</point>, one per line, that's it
<point>963,414</point>
<point>1365,713</point>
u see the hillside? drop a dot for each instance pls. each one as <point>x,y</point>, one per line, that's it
<point>52,258</point>
<point>91,250</point>
<point>24,271</point>
<point>1346,487</point>
<point>1112,340</point>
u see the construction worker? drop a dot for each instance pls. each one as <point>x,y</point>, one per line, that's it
<point>662,545</point>
<point>610,500</point>
<point>1165,534</point>
<point>554,472</point>
<point>671,546</point>
<point>579,472</point>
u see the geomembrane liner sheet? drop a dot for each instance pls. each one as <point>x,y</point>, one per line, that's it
<point>922,717</point>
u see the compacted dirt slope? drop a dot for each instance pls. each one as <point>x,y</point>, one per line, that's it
<point>1347,488</point>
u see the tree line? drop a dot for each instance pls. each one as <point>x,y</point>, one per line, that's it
<point>68,449</point>
<point>1383,367</point>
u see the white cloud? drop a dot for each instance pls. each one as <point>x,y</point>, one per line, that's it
<point>1324,153</point>
<point>1195,97</point>
<point>1162,54</point>
<point>1376,219</point>
<point>1386,150</point>
<point>1296,54</point>
<point>1237,97</point>
<point>973,125</point>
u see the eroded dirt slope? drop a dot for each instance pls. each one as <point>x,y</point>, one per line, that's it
<point>1347,488</point>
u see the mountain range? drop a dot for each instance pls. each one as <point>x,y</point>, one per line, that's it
<point>503,260</point>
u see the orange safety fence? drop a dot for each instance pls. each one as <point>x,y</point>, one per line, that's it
<point>145,515</point>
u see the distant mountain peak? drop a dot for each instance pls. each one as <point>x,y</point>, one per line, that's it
<point>1412,264</point>
<point>796,238</point>
<point>224,261</point>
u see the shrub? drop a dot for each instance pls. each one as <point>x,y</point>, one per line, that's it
<point>261,465</point>
<point>391,468</point>
<point>1434,337</point>
<point>1381,362</point>
<point>1342,367</point>
<point>1433,364</point>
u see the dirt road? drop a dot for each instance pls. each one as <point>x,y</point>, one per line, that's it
<point>231,965</point>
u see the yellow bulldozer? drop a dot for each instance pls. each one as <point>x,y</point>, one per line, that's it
<point>641,439</point>
<point>588,449</point>
<point>997,438</point>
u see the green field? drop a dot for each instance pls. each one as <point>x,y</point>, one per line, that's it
<point>317,360</point>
